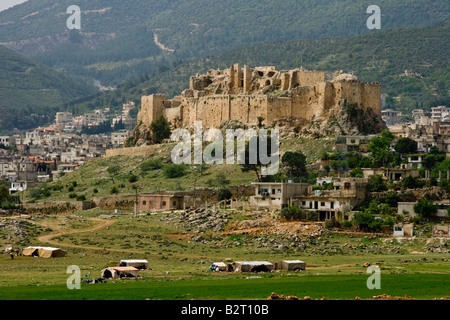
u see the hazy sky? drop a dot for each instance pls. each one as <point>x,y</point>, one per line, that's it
<point>5,4</point>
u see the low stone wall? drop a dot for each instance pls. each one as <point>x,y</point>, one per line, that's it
<point>53,207</point>
<point>131,152</point>
<point>123,202</point>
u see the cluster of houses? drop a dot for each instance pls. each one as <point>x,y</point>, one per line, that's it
<point>427,131</point>
<point>46,152</point>
<point>66,122</point>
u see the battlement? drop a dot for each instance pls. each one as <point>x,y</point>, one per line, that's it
<point>244,94</point>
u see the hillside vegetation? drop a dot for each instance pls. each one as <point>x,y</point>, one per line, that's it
<point>379,57</point>
<point>117,38</point>
<point>31,93</point>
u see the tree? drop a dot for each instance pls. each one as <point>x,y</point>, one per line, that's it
<point>412,183</point>
<point>380,148</point>
<point>405,146</point>
<point>160,129</point>
<point>295,162</point>
<point>113,170</point>
<point>356,173</point>
<point>363,219</point>
<point>377,184</point>
<point>224,194</point>
<point>425,208</point>
<point>252,148</point>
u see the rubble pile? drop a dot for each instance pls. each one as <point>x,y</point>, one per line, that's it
<point>199,220</point>
<point>16,231</point>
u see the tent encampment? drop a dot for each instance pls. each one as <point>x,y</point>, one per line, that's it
<point>120,272</point>
<point>44,252</point>
<point>138,264</point>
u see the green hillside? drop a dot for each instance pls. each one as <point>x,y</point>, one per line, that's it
<point>379,57</point>
<point>30,93</point>
<point>116,41</point>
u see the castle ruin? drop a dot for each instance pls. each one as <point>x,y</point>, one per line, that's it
<point>244,94</point>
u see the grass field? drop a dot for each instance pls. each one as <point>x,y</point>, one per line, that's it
<point>179,265</point>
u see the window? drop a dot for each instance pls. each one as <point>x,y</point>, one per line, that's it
<point>164,203</point>
<point>332,205</point>
<point>347,186</point>
<point>322,204</point>
<point>303,203</point>
<point>273,191</point>
<point>144,203</point>
<point>174,203</point>
<point>279,191</point>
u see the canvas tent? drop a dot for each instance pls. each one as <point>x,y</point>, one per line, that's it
<point>138,264</point>
<point>44,252</point>
<point>290,265</point>
<point>251,266</point>
<point>120,272</point>
<point>218,266</point>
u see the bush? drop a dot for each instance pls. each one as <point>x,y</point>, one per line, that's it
<point>36,193</point>
<point>132,178</point>
<point>114,190</point>
<point>296,213</point>
<point>363,220</point>
<point>95,190</point>
<point>152,164</point>
<point>81,198</point>
<point>224,194</point>
<point>347,224</point>
<point>72,195</point>
<point>175,170</point>
<point>71,188</point>
<point>356,173</point>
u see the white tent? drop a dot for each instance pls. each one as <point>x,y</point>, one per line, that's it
<point>44,252</point>
<point>120,272</point>
<point>138,264</point>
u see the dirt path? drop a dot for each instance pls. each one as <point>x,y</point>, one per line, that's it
<point>159,44</point>
<point>48,238</point>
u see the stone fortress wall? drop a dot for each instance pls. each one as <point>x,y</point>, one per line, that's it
<point>245,94</point>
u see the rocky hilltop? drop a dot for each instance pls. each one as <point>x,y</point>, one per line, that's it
<point>300,100</point>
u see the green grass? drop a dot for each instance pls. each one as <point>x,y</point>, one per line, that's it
<point>179,266</point>
<point>336,287</point>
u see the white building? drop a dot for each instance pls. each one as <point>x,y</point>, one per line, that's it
<point>440,112</point>
<point>63,117</point>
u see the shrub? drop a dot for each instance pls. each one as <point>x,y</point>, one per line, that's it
<point>152,164</point>
<point>294,212</point>
<point>132,178</point>
<point>224,194</point>
<point>347,224</point>
<point>72,195</point>
<point>71,188</point>
<point>174,170</point>
<point>36,193</point>
<point>363,220</point>
<point>95,190</point>
<point>114,190</point>
<point>81,198</point>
